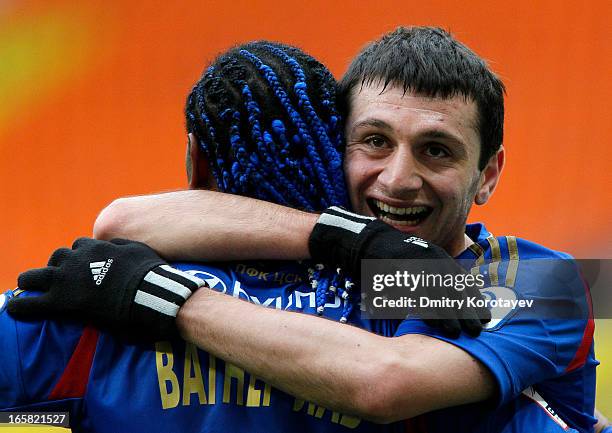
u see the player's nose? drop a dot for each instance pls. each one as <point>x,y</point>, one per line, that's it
<point>401,174</point>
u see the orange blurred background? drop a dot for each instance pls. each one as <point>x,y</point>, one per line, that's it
<point>92,92</point>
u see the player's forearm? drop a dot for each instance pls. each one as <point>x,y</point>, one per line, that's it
<point>339,367</point>
<point>207,225</point>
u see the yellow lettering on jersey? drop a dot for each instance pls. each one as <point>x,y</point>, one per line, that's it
<point>192,384</point>
<point>350,421</point>
<point>212,379</point>
<point>253,394</point>
<point>298,404</point>
<point>165,375</point>
<point>267,394</point>
<point>254,398</point>
<point>233,372</point>
<point>317,411</point>
<point>312,410</point>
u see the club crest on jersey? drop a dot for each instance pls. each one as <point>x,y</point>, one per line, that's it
<point>499,314</point>
<point>99,270</point>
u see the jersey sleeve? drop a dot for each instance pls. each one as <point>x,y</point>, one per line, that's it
<point>33,358</point>
<point>12,389</point>
<point>524,346</point>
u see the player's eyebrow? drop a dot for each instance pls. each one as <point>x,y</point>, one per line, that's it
<point>372,122</point>
<point>437,134</point>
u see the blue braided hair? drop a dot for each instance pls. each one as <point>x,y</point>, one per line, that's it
<point>266,117</point>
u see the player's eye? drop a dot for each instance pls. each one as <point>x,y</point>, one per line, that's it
<point>376,141</point>
<point>437,151</point>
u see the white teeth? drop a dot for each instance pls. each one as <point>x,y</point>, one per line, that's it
<point>398,222</point>
<point>399,210</point>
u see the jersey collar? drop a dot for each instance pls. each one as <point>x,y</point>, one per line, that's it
<point>476,232</point>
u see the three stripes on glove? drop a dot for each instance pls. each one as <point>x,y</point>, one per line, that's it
<point>341,218</point>
<point>164,289</point>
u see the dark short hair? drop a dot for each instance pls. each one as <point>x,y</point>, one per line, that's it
<point>429,61</point>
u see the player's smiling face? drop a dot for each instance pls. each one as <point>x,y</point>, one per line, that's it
<point>412,161</point>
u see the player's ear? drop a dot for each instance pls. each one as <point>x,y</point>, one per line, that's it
<point>490,176</point>
<point>198,171</point>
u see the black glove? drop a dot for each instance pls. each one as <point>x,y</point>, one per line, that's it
<point>341,238</point>
<point>120,286</point>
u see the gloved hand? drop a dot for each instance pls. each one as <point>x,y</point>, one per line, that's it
<point>342,238</point>
<point>120,286</point>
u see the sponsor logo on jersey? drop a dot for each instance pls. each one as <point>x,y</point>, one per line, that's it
<point>99,270</point>
<point>297,300</point>
<point>213,281</point>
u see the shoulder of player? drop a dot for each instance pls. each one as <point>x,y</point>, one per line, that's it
<point>501,248</point>
<point>531,250</point>
<point>64,333</point>
<point>499,258</point>
<point>36,354</point>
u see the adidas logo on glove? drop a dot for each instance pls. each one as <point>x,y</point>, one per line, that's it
<point>417,241</point>
<point>99,270</point>
<point>139,299</point>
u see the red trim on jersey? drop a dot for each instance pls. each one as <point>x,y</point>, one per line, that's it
<point>587,337</point>
<point>75,377</point>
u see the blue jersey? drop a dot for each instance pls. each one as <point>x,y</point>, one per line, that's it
<point>544,366</point>
<point>545,371</point>
<point>166,386</point>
